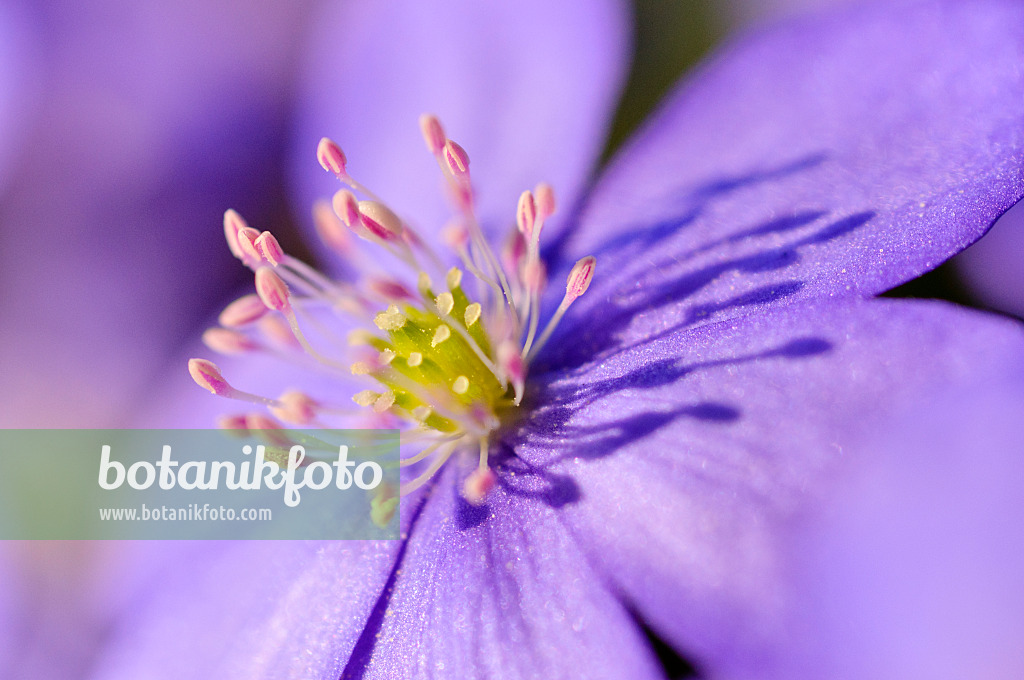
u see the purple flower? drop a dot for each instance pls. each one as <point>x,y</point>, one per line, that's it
<point>721,378</point>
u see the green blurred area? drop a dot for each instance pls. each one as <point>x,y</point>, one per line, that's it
<point>669,36</point>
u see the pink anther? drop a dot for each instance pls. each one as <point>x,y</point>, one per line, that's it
<point>296,407</point>
<point>513,252</point>
<point>267,246</point>
<point>233,223</point>
<point>346,207</point>
<point>579,278</point>
<point>242,311</point>
<point>457,159</point>
<point>276,330</point>
<point>380,221</point>
<point>455,236</point>
<point>247,245</point>
<point>510,360</point>
<point>233,422</point>
<point>478,485</point>
<point>272,289</point>
<point>391,290</point>
<point>526,214</point>
<point>331,229</point>
<point>433,133</point>
<point>271,430</point>
<point>208,376</point>
<point>535,275</point>
<point>545,195</point>
<point>331,157</point>
<point>227,341</point>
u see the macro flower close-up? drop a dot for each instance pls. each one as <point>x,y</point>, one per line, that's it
<point>661,414</point>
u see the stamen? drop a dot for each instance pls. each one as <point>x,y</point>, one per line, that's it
<point>445,303</point>
<point>438,461</point>
<point>208,376</point>
<point>576,285</point>
<point>384,402</point>
<point>274,293</point>
<point>247,245</point>
<point>455,236</point>
<point>478,485</point>
<point>380,221</point>
<point>383,505</point>
<point>453,278</point>
<point>346,207</point>
<point>330,229</point>
<point>579,278</point>
<point>269,428</point>
<point>389,320</point>
<point>453,393</point>
<point>389,289</point>
<point>331,158</point>
<point>526,214</point>
<point>361,368</point>
<point>440,335</point>
<point>534,279</point>
<point>233,223</point>
<point>296,407</point>
<point>433,133</point>
<point>365,398</point>
<point>457,159</point>
<point>277,330</point>
<point>227,341</point>
<point>411,460</point>
<point>361,336</point>
<point>472,315</point>
<point>545,196</point>
<point>233,422</point>
<point>272,290</point>
<point>268,247</point>
<point>242,311</point>
<point>511,363</point>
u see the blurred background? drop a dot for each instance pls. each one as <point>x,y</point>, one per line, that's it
<point>127,128</point>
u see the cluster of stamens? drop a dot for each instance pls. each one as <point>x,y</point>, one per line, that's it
<point>450,369</point>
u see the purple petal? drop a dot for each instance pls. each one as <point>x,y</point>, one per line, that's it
<point>111,220</point>
<point>913,571</point>
<point>688,454</point>
<point>993,268</point>
<point>18,68</point>
<point>527,88</point>
<point>8,616</point>
<point>252,610</point>
<point>500,591</point>
<point>832,156</point>
<point>50,626</point>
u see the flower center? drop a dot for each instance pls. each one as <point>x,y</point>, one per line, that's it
<point>448,358</point>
